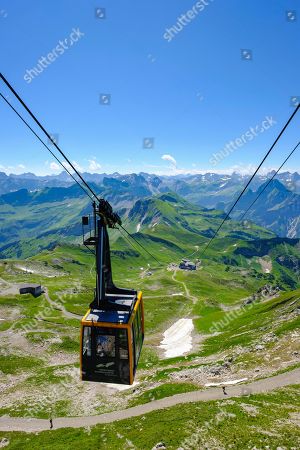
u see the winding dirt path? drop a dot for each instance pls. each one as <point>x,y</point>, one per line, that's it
<point>163,295</point>
<point>187,292</point>
<point>259,386</point>
<point>61,308</point>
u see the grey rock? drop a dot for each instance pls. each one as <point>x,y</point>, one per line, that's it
<point>259,347</point>
<point>159,446</point>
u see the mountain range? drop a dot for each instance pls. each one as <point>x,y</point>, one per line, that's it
<point>209,187</point>
<point>276,209</point>
<point>51,205</point>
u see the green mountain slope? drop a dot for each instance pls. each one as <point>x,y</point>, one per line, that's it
<point>242,301</point>
<point>189,227</point>
<point>34,221</point>
<point>31,222</point>
<point>277,209</point>
<point>167,225</point>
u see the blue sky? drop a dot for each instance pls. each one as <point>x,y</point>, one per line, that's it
<point>188,89</point>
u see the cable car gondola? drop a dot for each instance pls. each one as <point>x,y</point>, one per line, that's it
<point>112,330</point>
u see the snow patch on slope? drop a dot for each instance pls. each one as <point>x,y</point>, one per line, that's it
<point>178,338</point>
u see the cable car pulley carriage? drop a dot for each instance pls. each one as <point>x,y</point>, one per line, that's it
<point>112,330</point>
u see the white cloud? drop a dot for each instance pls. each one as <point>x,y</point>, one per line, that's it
<point>242,169</point>
<point>54,166</point>
<point>169,158</point>
<point>77,166</point>
<point>18,169</point>
<point>94,166</point>
<point>173,169</point>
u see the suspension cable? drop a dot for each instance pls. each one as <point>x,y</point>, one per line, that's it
<point>250,180</point>
<point>46,146</point>
<point>128,240</point>
<point>268,183</point>
<point>137,242</point>
<point>47,134</point>
<point>61,152</point>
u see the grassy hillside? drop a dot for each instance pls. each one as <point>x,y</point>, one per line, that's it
<point>243,301</point>
<point>41,340</point>
<point>243,423</point>
<point>32,222</point>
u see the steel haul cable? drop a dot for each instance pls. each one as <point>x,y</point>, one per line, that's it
<point>128,240</point>
<point>135,240</point>
<point>268,183</point>
<point>47,134</point>
<point>46,146</point>
<point>252,177</point>
<point>60,151</point>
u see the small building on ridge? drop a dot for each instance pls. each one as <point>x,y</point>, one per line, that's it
<point>187,265</point>
<point>34,289</point>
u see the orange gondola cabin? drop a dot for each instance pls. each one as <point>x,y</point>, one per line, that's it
<point>112,330</point>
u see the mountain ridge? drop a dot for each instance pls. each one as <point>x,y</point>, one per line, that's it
<point>277,209</point>
<point>32,181</point>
